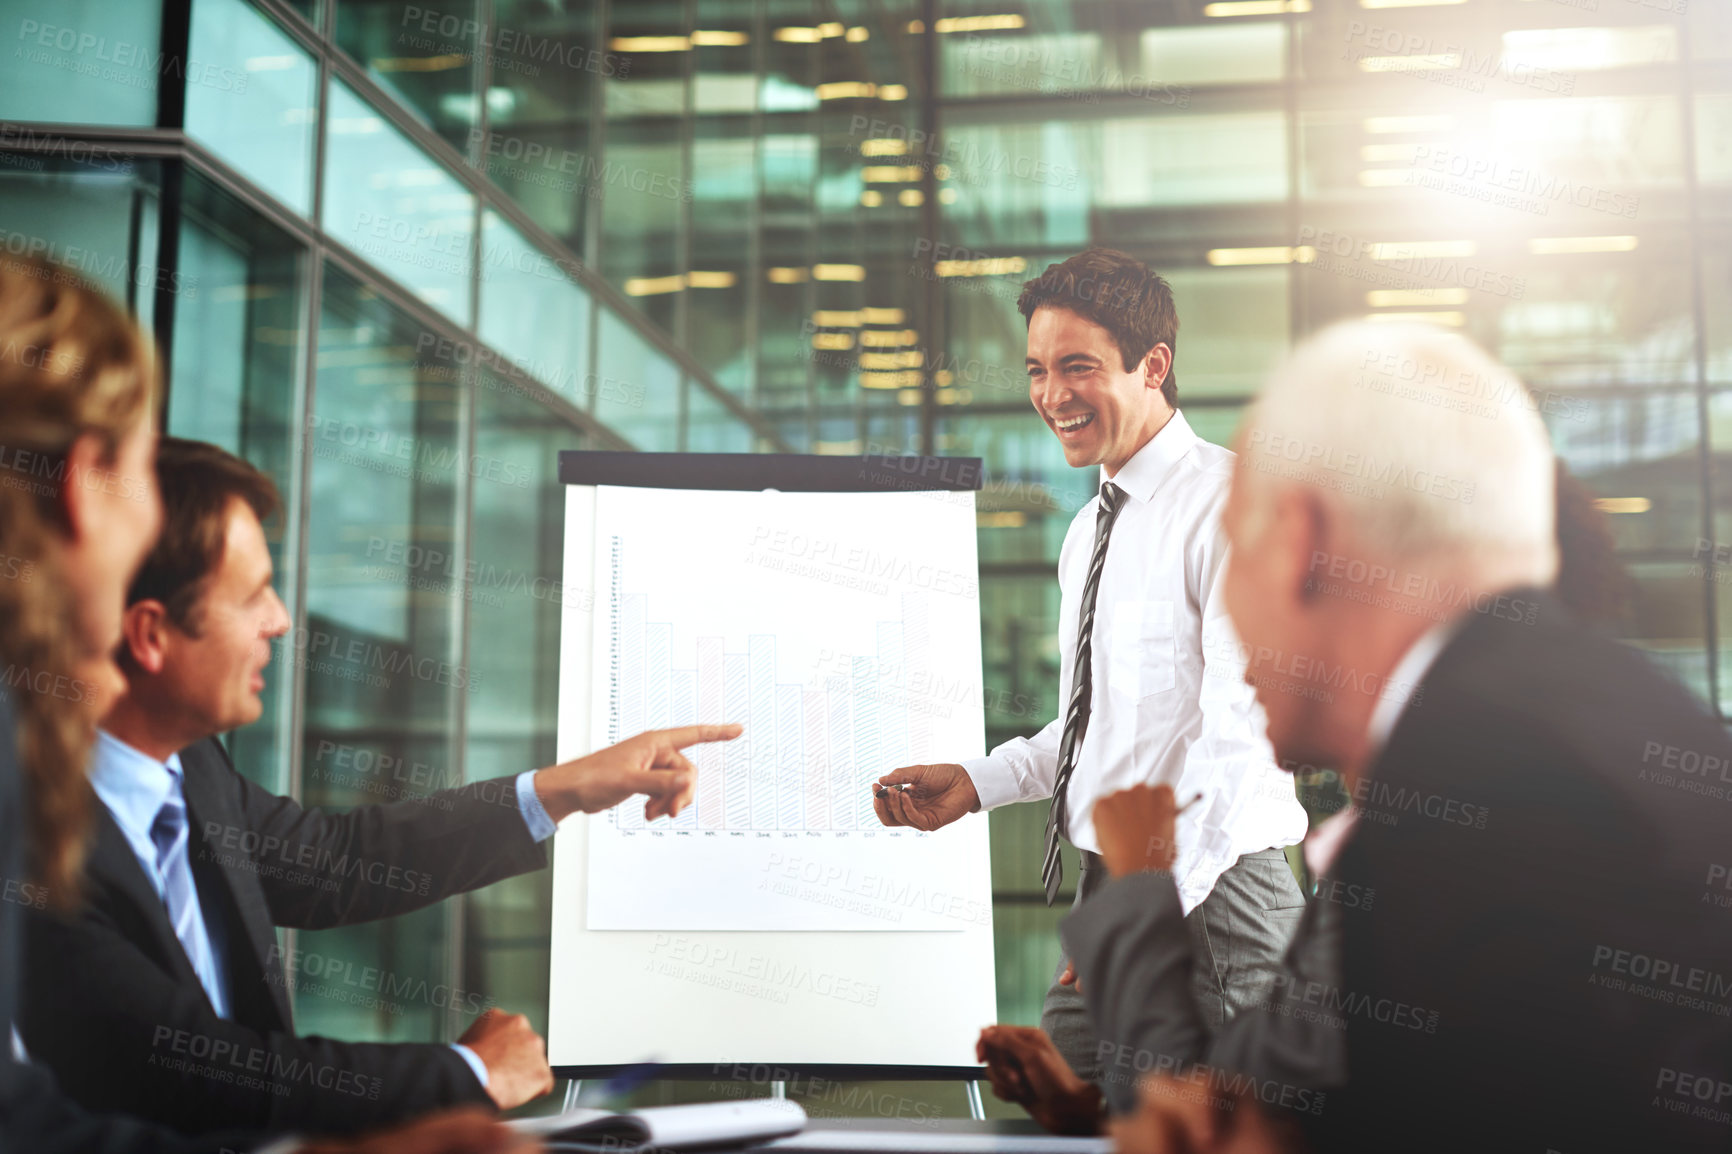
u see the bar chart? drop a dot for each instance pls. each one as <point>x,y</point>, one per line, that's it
<point>811,747</point>
<point>841,631</point>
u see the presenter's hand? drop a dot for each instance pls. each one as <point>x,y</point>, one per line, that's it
<point>469,1130</point>
<point>1026,1068</point>
<point>1188,1116</point>
<point>936,796</point>
<point>1136,829</point>
<point>650,763</point>
<point>515,1057</point>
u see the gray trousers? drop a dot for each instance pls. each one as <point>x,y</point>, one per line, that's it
<point>1238,935</point>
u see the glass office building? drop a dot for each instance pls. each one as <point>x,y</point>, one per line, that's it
<point>400,254</point>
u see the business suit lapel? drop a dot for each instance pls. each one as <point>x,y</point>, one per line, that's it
<point>121,887</point>
<point>255,963</point>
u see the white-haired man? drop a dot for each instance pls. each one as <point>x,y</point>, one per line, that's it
<point>1510,947</point>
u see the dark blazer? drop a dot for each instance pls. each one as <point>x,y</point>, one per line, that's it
<point>119,1014</point>
<point>36,1117</point>
<point>1546,963</point>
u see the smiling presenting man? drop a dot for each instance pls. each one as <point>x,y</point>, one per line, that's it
<point>1151,685</point>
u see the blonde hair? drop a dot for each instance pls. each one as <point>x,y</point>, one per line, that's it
<point>71,364</point>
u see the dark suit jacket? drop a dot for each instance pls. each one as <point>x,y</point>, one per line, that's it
<point>1544,964</point>
<point>119,1014</point>
<point>36,1117</point>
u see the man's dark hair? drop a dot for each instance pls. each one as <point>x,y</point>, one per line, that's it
<point>1117,292</point>
<point>197,481</point>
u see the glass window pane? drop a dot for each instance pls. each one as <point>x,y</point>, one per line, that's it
<point>395,206</point>
<point>531,311</point>
<point>515,599</point>
<point>378,645</point>
<point>262,123</point>
<point>711,427</point>
<point>1176,59</point>
<point>724,73</point>
<point>97,217</point>
<point>82,62</point>
<point>646,201</point>
<point>539,109</point>
<point>639,389</point>
<point>1641,446</point>
<point>652,39</point>
<point>238,351</point>
<point>424,55</point>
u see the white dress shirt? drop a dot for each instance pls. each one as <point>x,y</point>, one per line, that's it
<point>1169,703</point>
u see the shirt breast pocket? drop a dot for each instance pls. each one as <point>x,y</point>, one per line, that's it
<point>1145,649</point>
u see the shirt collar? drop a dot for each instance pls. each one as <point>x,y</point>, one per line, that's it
<point>1402,685</point>
<point>1324,843</point>
<point>133,785</point>
<point>1149,465</point>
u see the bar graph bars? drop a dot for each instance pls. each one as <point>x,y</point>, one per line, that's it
<point>810,748</point>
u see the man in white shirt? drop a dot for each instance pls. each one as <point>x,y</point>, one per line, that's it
<point>1152,677</point>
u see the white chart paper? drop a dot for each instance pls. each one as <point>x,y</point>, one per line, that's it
<point>842,630</point>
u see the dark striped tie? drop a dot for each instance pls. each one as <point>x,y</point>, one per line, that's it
<point>1076,714</point>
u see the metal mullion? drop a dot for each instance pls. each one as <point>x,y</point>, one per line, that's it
<point>458,699</point>
<point>683,229</point>
<point>1298,315</point>
<point>172,192</point>
<point>755,217</point>
<point>597,142</point>
<point>1699,315</point>
<point>175,46</point>
<point>933,320</point>
<point>298,505</point>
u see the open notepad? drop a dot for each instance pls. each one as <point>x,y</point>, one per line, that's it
<point>694,1127</point>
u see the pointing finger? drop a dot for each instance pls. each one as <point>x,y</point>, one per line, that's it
<point>694,734</point>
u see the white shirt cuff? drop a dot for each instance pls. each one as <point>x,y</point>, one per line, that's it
<point>541,826</point>
<point>995,786</point>
<point>289,1145</point>
<point>474,1059</point>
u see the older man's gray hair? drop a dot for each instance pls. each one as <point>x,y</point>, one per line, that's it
<point>1433,453</point>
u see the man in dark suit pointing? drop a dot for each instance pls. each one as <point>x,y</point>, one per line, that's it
<point>167,996</point>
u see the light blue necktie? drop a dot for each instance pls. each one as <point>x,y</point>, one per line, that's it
<point>169,833</point>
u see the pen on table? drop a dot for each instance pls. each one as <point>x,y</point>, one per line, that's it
<point>598,1095</point>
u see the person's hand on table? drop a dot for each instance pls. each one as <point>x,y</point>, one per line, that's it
<point>469,1130</point>
<point>1135,828</point>
<point>936,796</point>
<point>1026,1068</point>
<point>1177,1116</point>
<point>650,763</point>
<point>515,1057</point>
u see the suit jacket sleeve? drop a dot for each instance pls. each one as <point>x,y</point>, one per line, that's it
<point>127,1036</point>
<point>321,869</point>
<point>1133,958</point>
<point>37,1118</point>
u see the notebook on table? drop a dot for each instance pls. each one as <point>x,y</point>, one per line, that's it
<point>703,1125</point>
